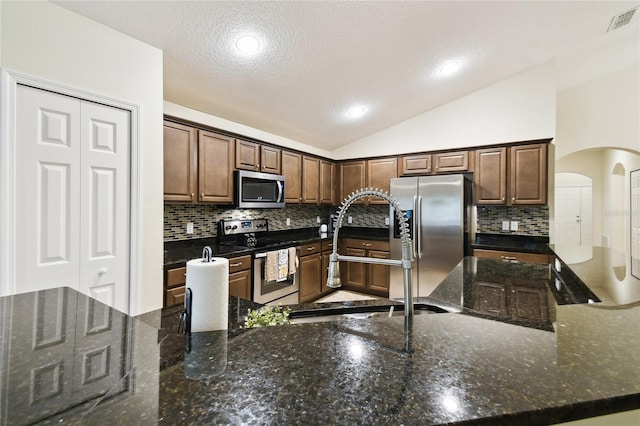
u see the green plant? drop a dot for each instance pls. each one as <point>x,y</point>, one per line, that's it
<point>267,316</point>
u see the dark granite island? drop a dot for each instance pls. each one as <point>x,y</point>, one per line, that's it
<point>471,367</point>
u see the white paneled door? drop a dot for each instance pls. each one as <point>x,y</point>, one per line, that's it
<point>72,197</point>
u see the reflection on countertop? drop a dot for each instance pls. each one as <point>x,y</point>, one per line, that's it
<point>435,369</point>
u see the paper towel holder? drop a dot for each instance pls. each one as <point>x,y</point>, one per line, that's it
<point>206,254</point>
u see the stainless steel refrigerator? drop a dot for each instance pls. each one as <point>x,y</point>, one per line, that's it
<point>441,223</point>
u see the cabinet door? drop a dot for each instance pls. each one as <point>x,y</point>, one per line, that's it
<point>240,284</point>
<point>356,275</point>
<point>352,178</point>
<point>379,173</point>
<point>270,160</point>
<point>292,172</point>
<point>215,167</point>
<point>528,184</point>
<point>247,155</point>
<point>490,177</point>
<point>310,273</point>
<point>416,164</point>
<point>327,172</point>
<point>379,274</point>
<point>180,162</point>
<point>445,162</point>
<point>310,180</point>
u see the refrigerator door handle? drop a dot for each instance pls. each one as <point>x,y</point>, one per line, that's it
<point>415,228</point>
<point>418,220</point>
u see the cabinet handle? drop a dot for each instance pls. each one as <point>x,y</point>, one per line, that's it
<point>367,244</point>
<point>311,248</point>
<point>202,195</point>
<point>513,198</point>
<point>502,199</point>
<point>192,195</point>
<point>235,264</point>
<point>508,257</point>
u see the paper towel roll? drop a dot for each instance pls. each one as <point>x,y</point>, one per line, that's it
<point>209,284</point>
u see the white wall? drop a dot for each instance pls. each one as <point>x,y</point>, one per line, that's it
<point>179,111</point>
<point>46,41</point>
<point>519,108</point>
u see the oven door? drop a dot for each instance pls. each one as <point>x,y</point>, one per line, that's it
<point>274,292</point>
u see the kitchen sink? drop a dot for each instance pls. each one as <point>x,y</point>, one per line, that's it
<point>359,312</point>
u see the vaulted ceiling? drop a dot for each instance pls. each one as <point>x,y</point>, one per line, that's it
<point>316,60</point>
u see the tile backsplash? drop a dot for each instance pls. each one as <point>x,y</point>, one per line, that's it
<point>205,218</point>
<point>532,220</point>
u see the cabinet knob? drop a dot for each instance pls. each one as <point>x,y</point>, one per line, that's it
<point>513,198</point>
<point>192,195</point>
<point>502,199</point>
<point>202,195</point>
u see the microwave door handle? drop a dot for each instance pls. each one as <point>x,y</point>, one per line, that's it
<point>280,191</point>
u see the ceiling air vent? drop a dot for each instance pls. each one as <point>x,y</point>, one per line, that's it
<point>621,20</point>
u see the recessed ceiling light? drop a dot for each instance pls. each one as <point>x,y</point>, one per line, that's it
<point>356,111</point>
<point>248,44</point>
<point>449,68</point>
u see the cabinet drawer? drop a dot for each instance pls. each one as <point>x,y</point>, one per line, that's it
<point>368,244</point>
<point>327,245</point>
<point>174,296</point>
<point>239,263</point>
<point>512,256</point>
<point>312,248</point>
<point>177,276</point>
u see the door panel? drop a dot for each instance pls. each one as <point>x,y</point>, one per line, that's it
<point>48,189</point>
<point>104,210</point>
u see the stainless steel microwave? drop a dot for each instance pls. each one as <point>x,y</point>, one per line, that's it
<point>255,190</point>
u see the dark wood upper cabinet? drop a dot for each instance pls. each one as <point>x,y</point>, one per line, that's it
<point>247,155</point>
<point>515,175</point>
<point>379,172</point>
<point>270,160</point>
<point>446,162</point>
<point>215,167</point>
<point>352,178</point>
<point>490,177</point>
<point>292,172</point>
<point>528,182</point>
<point>415,164</point>
<point>310,180</point>
<point>327,182</point>
<point>180,162</point>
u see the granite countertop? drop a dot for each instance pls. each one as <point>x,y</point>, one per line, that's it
<point>477,366</point>
<point>177,253</point>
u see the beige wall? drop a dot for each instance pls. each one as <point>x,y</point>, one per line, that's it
<point>602,113</point>
<point>48,42</point>
<point>522,107</point>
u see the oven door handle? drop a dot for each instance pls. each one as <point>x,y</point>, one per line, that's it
<point>280,192</point>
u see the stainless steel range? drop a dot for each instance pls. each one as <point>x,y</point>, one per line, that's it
<point>253,234</point>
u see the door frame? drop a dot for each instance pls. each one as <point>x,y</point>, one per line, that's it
<point>8,95</point>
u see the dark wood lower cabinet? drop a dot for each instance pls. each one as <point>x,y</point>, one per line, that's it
<point>310,268</point>
<point>366,277</point>
<point>240,284</point>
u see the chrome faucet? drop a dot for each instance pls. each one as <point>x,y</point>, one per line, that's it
<point>333,278</point>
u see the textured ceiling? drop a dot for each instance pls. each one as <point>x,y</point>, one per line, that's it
<point>320,58</point>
